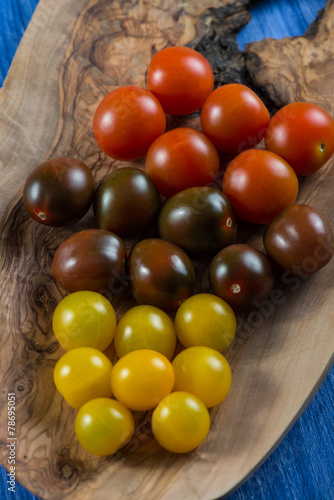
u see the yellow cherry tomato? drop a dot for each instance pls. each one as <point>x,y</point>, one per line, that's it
<point>103,426</point>
<point>204,372</point>
<point>84,319</point>
<point>141,379</point>
<point>180,422</point>
<point>145,327</point>
<point>205,320</point>
<point>83,374</point>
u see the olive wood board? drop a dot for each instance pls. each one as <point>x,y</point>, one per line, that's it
<point>72,54</point>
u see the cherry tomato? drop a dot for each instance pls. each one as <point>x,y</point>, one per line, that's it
<point>300,239</point>
<point>84,319</point>
<point>126,202</point>
<point>180,159</point>
<point>234,118</point>
<point>92,259</point>
<point>127,121</point>
<point>200,220</point>
<point>205,320</point>
<point>203,372</point>
<point>161,274</point>
<point>103,426</point>
<point>59,191</point>
<point>83,374</point>
<point>241,275</point>
<point>259,184</point>
<point>180,422</point>
<point>303,134</point>
<point>180,78</point>
<point>140,379</point>
<point>145,327</point>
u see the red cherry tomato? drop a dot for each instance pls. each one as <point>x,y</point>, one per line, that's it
<point>234,118</point>
<point>303,134</point>
<point>180,159</point>
<point>259,184</point>
<point>181,79</point>
<point>127,121</point>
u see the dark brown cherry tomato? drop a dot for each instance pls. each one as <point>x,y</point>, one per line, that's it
<point>234,118</point>
<point>161,274</point>
<point>200,220</point>
<point>180,159</point>
<point>59,191</point>
<point>127,121</point>
<point>303,134</point>
<point>181,79</point>
<point>300,239</point>
<point>126,202</point>
<point>92,259</point>
<point>241,275</point>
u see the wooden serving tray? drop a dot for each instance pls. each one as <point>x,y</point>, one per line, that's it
<point>72,54</point>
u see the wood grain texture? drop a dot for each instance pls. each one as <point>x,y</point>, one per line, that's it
<point>282,350</point>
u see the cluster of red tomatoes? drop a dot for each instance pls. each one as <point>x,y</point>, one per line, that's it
<point>196,220</point>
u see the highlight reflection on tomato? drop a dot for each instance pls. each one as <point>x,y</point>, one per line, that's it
<point>303,134</point>
<point>259,184</point>
<point>181,79</point>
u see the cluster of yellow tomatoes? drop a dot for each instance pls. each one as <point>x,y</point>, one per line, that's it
<point>179,390</point>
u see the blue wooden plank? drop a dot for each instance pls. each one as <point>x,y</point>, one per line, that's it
<point>302,467</point>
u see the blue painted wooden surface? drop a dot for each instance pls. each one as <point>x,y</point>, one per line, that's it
<point>302,467</point>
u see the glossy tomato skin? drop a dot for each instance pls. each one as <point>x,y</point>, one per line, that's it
<point>84,319</point>
<point>180,159</point>
<point>127,121</point>
<point>241,275</point>
<point>205,320</point>
<point>145,327</point>
<point>300,239</point>
<point>140,379</point>
<point>59,191</point>
<point>303,134</point>
<point>259,185</point>
<point>200,220</point>
<point>126,202</point>
<point>204,372</point>
<point>181,79</point>
<point>83,374</point>
<point>92,259</point>
<point>234,118</point>
<point>161,274</point>
<point>180,422</point>
<point>103,425</point>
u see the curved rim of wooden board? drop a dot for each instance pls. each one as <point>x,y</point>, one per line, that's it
<point>307,397</point>
<point>308,400</point>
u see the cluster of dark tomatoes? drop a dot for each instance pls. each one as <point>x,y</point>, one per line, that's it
<point>175,209</point>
